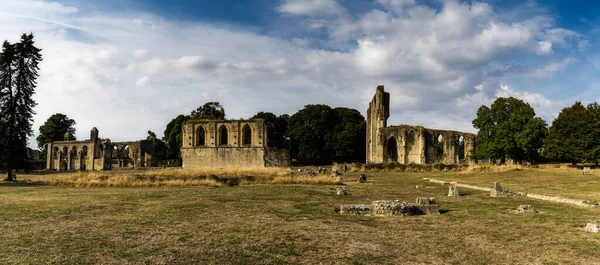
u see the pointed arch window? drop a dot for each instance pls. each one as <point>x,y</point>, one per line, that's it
<point>200,134</point>
<point>223,135</point>
<point>247,135</point>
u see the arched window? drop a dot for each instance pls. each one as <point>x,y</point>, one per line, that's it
<point>200,136</point>
<point>247,135</point>
<point>392,150</point>
<point>223,135</point>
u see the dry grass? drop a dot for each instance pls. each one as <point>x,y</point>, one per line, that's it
<point>183,177</point>
<point>295,224</point>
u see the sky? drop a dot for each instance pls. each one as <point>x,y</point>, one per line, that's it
<point>127,67</point>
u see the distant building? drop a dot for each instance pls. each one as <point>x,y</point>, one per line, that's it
<point>229,144</point>
<point>99,154</point>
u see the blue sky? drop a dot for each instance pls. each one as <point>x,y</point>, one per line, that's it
<point>131,66</point>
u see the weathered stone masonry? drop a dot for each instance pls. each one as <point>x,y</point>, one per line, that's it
<point>407,144</point>
<point>99,154</point>
<point>229,144</point>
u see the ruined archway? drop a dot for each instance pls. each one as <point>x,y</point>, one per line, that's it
<point>412,151</point>
<point>200,136</point>
<point>392,150</point>
<point>223,135</point>
<point>461,149</point>
<point>440,148</point>
<point>246,135</point>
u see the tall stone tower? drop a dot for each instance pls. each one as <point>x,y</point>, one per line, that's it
<point>377,115</point>
<point>94,134</point>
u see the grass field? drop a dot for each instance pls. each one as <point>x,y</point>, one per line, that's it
<point>270,223</point>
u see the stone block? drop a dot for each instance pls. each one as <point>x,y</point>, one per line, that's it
<point>419,187</point>
<point>427,205</point>
<point>341,190</point>
<point>356,209</point>
<point>390,208</point>
<point>526,209</point>
<point>592,227</point>
<point>453,191</point>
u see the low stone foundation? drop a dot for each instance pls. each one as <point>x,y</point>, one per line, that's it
<point>424,205</point>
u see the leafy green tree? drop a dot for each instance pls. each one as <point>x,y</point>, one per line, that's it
<point>54,129</point>
<point>347,140</point>
<point>307,130</point>
<point>210,110</point>
<point>595,109</point>
<point>160,148</point>
<point>276,128</point>
<point>18,74</point>
<point>320,134</point>
<point>574,136</point>
<point>508,129</point>
<point>173,136</point>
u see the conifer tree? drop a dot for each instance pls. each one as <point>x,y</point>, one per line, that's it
<point>18,74</point>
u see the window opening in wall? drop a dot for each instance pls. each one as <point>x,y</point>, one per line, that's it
<point>440,146</point>
<point>200,136</point>
<point>223,135</point>
<point>247,135</point>
<point>461,148</point>
<point>392,150</point>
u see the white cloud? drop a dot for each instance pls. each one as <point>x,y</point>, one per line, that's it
<point>114,69</point>
<point>313,8</point>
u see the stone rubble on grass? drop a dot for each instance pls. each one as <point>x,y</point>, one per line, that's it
<point>498,191</point>
<point>592,227</point>
<point>362,178</point>
<point>453,191</point>
<point>341,190</point>
<point>419,187</point>
<point>424,205</point>
<point>525,209</point>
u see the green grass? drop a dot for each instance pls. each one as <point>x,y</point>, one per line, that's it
<point>298,224</point>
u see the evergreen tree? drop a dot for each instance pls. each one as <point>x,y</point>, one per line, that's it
<point>574,136</point>
<point>54,129</point>
<point>19,71</point>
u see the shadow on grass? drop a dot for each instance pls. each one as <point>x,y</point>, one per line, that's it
<point>20,184</point>
<point>444,211</point>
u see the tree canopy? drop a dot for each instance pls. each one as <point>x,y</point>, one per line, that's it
<point>210,110</point>
<point>276,128</point>
<point>54,129</point>
<point>574,135</point>
<point>173,136</point>
<point>320,134</point>
<point>18,74</point>
<point>508,129</point>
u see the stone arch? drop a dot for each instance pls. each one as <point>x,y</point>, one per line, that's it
<point>412,148</point>
<point>461,148</point>
<point>83,158</point>
<point>55,152</point>
<point>200,136</point>
<point>64,166</point>
<point>392,150</point>
<point>65,150</point>
<point>223,135</point>
<point>246,135</point>
<point>439,147</point>
<point>72,157</point>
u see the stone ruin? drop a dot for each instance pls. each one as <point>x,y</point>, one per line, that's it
<point>362,178</point>
<point>498,191</point>
<point>453,191</point>
<point>341,190</point>
<point>592,227</point>
<point>423,205</point>
<point>525,209</point>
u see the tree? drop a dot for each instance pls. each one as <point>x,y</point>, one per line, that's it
<point>54,129</point>
<point>18,74</point>
<point>347,140</point>
<point>160,148</point>
<point>574,136</point>
<point>320,134</point>
<point>508,129</point>
<point>307,130</point>
<point>276,128</point>
<point>210,110</point>
<point>173,136</point>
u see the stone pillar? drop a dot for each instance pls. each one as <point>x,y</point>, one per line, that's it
<point>49,156</point>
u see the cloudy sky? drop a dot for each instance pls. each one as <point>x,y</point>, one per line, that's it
<point>127,67</point>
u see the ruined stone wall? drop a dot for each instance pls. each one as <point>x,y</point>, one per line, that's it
<point>229,144</point>
<point>99,154</point>
<point>407,144</point>
<point>377,116</point>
